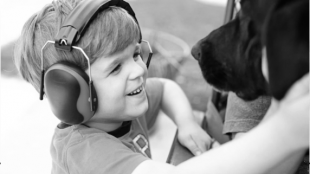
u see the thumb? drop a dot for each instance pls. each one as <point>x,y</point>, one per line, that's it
<point>192,146</point>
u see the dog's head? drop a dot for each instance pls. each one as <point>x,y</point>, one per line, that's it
<point>230,56</point>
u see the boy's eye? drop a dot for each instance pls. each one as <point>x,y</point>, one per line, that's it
<point>116,68</point>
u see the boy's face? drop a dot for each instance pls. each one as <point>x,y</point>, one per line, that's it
<point>119,81</point>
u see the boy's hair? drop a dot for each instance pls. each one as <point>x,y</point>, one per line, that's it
<point>110,32</point>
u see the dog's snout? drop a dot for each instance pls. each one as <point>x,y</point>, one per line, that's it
<point>196,52</point>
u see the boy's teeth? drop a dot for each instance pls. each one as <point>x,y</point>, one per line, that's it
<point>136,91</point>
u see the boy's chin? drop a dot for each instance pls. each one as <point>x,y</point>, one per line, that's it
<point>138,112</point>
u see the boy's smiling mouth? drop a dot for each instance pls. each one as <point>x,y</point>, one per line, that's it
<point>136,91</point>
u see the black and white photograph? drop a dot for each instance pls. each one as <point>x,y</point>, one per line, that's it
<point>154,86</point>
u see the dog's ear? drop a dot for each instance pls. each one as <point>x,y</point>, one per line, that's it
<point>286,37</point>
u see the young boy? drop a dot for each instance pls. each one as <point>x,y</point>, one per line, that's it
<point>103,144</point>
<point>115,139</point>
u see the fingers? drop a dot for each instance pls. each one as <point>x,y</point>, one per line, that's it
<point>195,139</point>
<point>207,143</point>
<point>191,145</point>
<point>197,144</point>
<point>200,147</point>
<point>215,144</point>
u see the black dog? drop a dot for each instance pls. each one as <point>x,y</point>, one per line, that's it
<point>230,56</point>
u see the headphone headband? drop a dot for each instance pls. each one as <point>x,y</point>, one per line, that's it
<point>81,16</point>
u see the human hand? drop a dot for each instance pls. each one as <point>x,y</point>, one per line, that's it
<point>193,137</point>
<point>294,111</point>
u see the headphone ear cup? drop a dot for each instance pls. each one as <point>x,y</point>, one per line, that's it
<point>68,93</point>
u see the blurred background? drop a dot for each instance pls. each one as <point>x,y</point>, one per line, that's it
<point>171,26</point>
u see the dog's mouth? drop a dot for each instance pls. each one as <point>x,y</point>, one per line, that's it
<point>224,78</point>
<point>216,76</point>
<point>213,71</point>
<point>224,64</point>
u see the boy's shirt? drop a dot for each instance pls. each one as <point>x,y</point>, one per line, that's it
<point>80,149</point>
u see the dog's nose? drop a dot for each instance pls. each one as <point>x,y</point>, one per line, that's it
<point>196,52</point>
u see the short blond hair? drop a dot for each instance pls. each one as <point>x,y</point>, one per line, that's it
<point>110,32</point>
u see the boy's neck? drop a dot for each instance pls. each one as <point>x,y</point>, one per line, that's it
<point>107,127</point>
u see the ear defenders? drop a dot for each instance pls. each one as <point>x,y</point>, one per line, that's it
<point>69,89</point>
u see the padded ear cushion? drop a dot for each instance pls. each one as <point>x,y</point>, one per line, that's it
<point>67,90</point>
